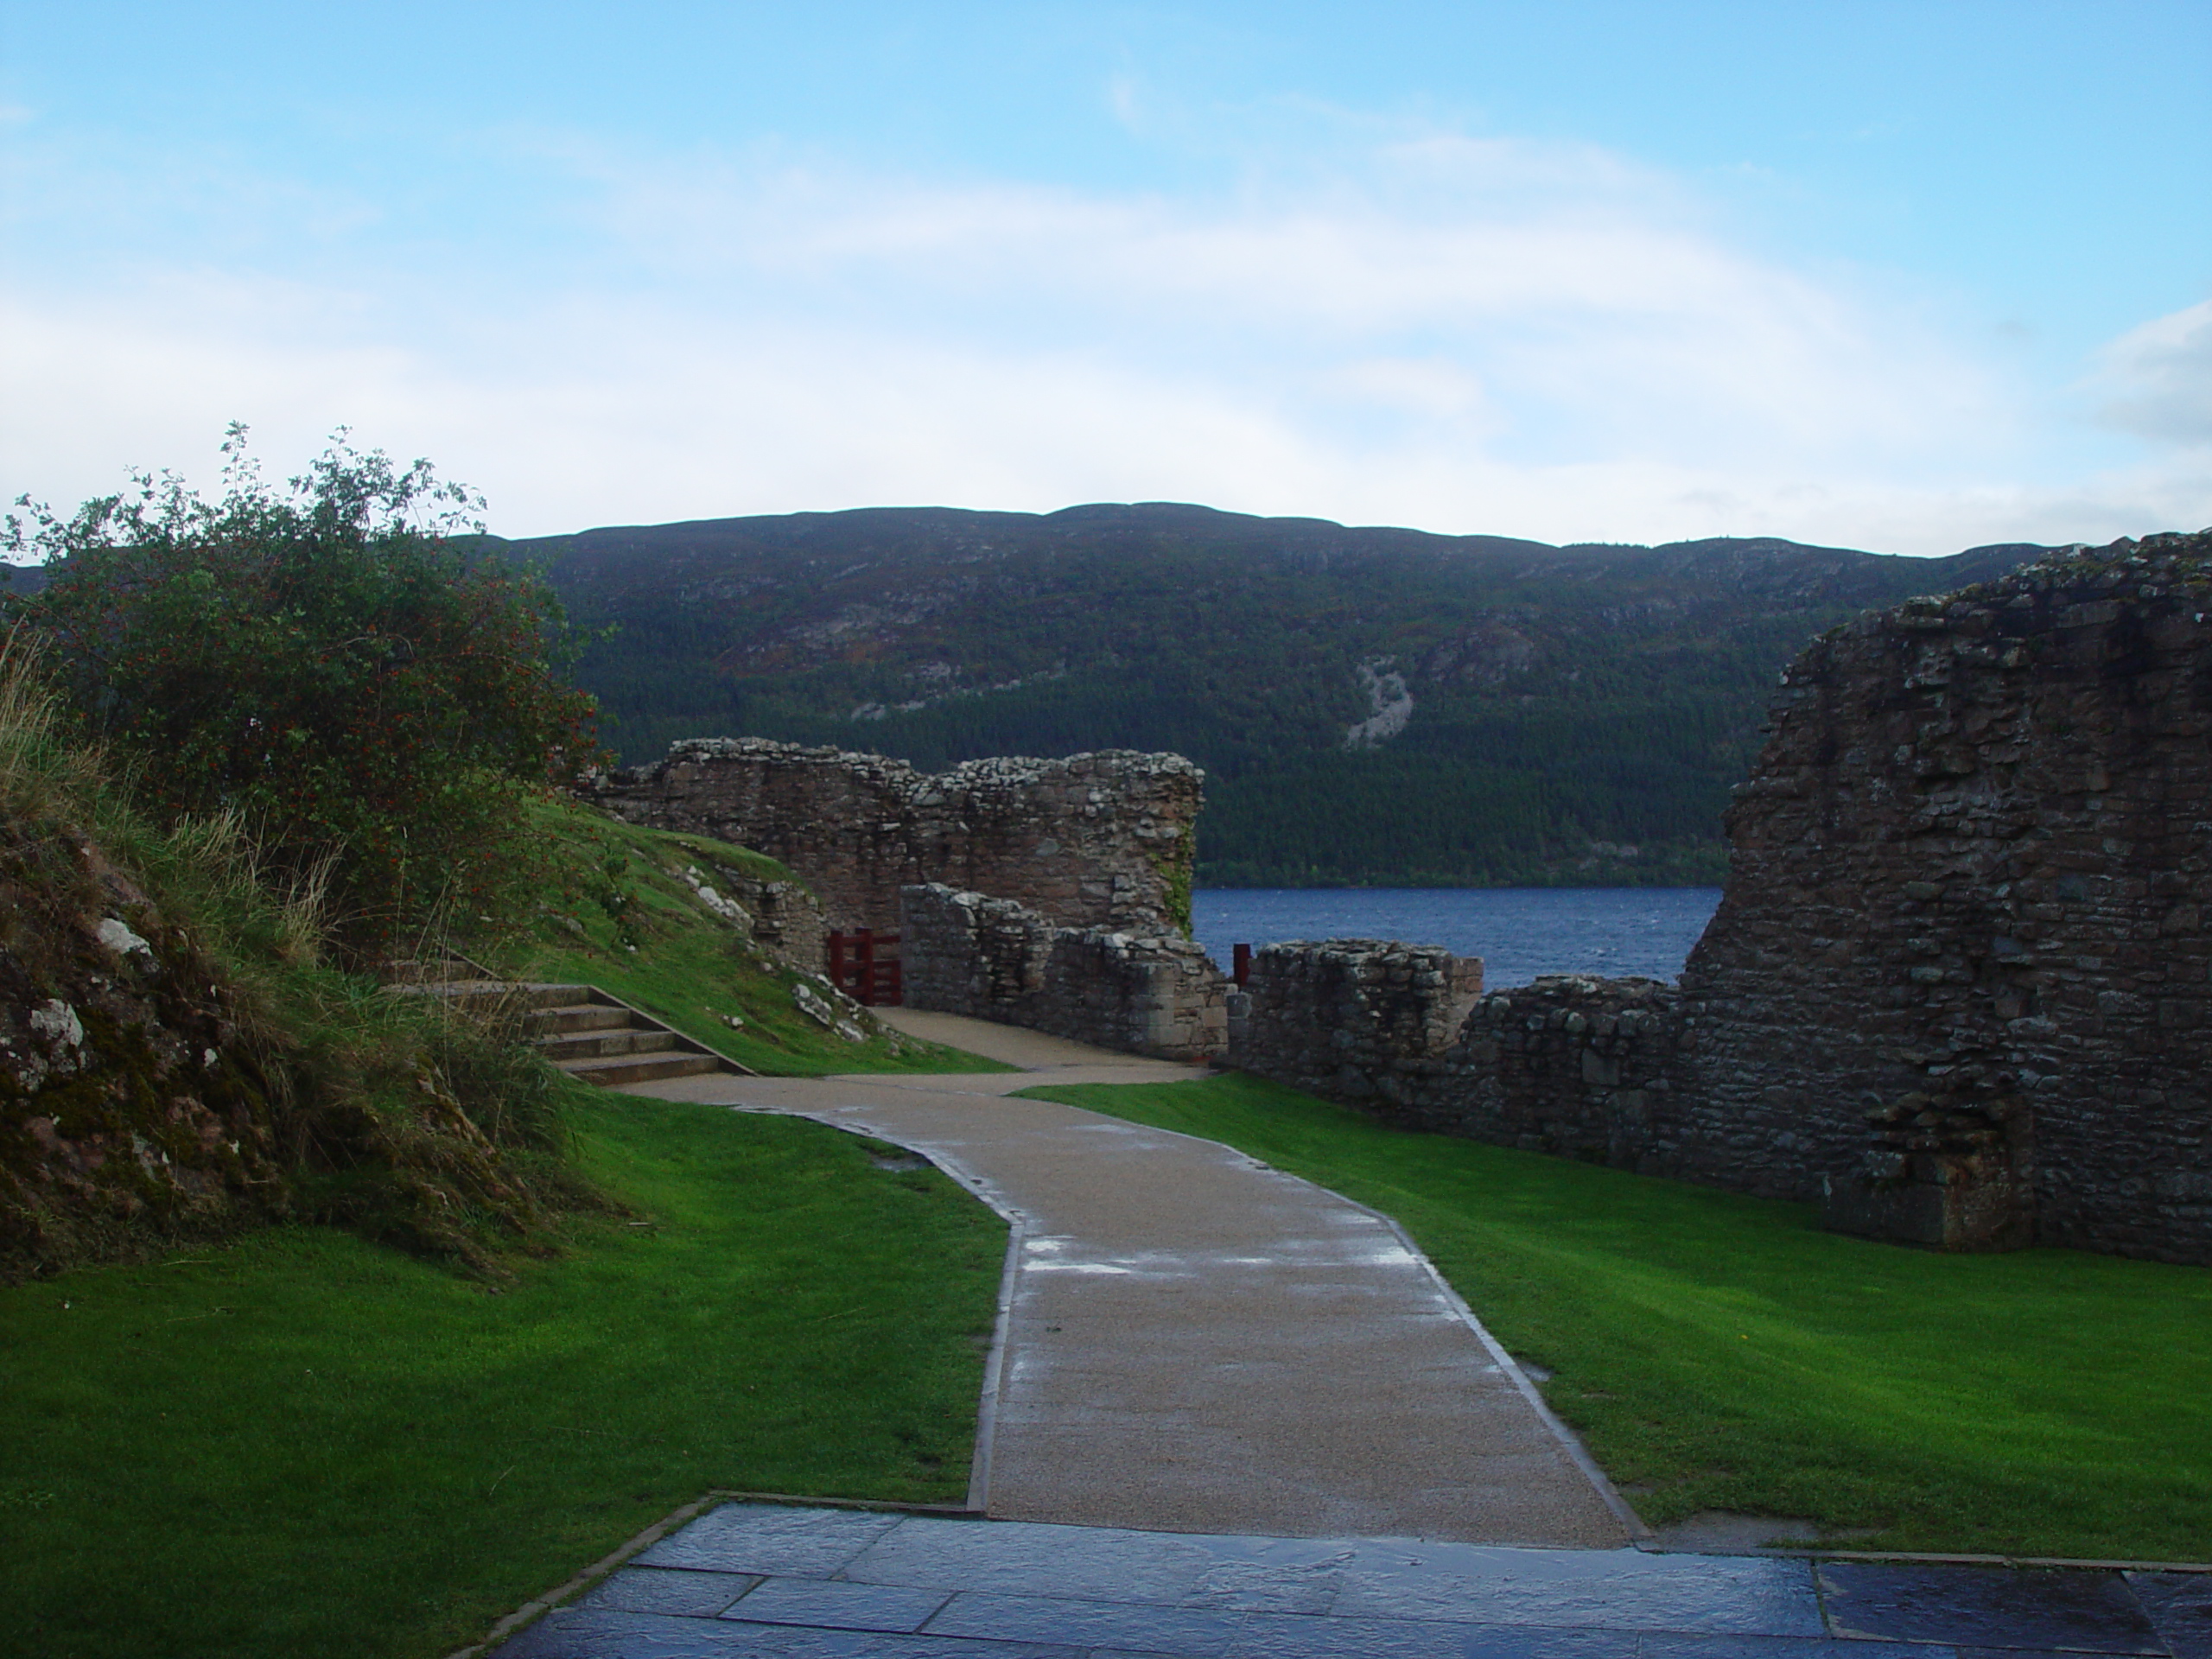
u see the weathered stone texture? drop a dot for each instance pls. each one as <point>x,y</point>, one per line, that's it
<point>1356,1020</point>
<point>993,959</point>
<point>1957,989</point>
<point>1964,942</point>
<point>782,917</point>
<point>1101,840</point>
<point>1571,1066</point>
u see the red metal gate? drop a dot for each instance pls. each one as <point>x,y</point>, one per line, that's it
<point>864,965</point>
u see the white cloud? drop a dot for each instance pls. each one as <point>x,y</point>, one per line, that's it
<point>1464,336</point>
<point>2158,378</point>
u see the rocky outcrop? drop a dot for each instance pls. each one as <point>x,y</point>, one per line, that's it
<point>993,959</point>
<point>125,1119</point>
<point>1100,839</point>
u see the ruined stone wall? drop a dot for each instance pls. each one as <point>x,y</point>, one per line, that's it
<point>782,918</point>
<point>1959,989</point>
<point>993,959</point>
<point>1575,1066</point>
<point>1101,840</point>
<point>1964,939</point>
<point>1362,1021</point>
<point>1571,1066</point>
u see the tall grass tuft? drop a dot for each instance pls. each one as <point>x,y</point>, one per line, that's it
<point>418,1123</point>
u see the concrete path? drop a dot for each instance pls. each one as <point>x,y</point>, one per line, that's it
<point>761,1579</point>
<point>1196,1343</point>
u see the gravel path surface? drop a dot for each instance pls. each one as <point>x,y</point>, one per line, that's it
<point>1196,1343</point>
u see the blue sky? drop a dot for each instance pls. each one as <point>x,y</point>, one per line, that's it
<point>1909,277</point>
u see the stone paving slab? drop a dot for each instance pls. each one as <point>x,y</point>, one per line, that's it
<point>891,1587</point>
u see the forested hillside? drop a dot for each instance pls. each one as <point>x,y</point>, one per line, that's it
<point>1372,706</point>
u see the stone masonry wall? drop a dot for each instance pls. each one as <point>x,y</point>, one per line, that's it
<point>782,917</point>
<point>1354,1020</point>
<point>993,959</point>
<point>1960,987</point>
<point>1101,840</point>
<point>1571,1066</point>
<point>1965,938</point>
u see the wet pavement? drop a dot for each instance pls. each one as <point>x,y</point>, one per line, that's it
<point>1231,1415</point>
<point>807,1583</point>
<point>1194,1342</point>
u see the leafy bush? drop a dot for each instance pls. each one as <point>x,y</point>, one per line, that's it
<point>338,662</point>
<point>402,1117</point>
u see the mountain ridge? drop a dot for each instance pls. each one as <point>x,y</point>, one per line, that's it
<point>1374,705</point>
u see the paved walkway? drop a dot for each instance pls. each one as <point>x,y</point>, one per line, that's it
<point>758,1580</point>
<point>1280,1436</point>
<point>1194,1342</point>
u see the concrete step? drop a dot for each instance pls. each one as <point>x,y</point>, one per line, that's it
<point>598,1044</point>
<point>580,1016</point>
<point>645,1068</point>
<point>490,994</point>
<point>586,1032</point>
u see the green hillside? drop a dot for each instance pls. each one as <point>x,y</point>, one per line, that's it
<point>1569,705</point>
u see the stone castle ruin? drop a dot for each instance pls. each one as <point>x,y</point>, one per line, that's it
<point>1053,894</point>
<point>1099,840</point>
<point>1959,991</point>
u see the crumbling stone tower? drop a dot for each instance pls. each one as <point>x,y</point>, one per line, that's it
<point>1958,985</point>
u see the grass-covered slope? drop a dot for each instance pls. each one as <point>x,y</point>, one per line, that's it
<point>617,913</point>
<point>301,1443</point>
<point>1722,1352</point>
<point>178,1058</point>
<point>1561,697</point>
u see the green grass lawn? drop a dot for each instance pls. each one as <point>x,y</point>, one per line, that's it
<point>1722,1352</point>
<point>661,950</point>
<point>303,1444</point>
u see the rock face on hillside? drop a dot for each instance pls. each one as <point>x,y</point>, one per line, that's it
<point>125,1117</point>
<point>1959,987</point>
<point>1099,840</point>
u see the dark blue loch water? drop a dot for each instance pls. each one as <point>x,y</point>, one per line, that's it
<point>1519,932</point>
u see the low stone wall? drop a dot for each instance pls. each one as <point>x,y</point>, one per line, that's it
<point>993,959</point>
<point>782,918</point>
<point>1352,1019</point>
<point>1100,839</point>
<point>1571,1066</point>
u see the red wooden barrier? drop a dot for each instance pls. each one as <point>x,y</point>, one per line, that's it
<point>864,964</point>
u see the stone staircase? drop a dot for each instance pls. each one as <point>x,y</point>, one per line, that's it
<point>594,1036</point>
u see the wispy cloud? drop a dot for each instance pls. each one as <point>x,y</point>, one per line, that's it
<point>1462,334</point>
<point>2157,380</point>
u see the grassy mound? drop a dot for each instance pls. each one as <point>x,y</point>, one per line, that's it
<point>619,913</point>
<point>1722,1352</point>
<point>178,1060</point>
